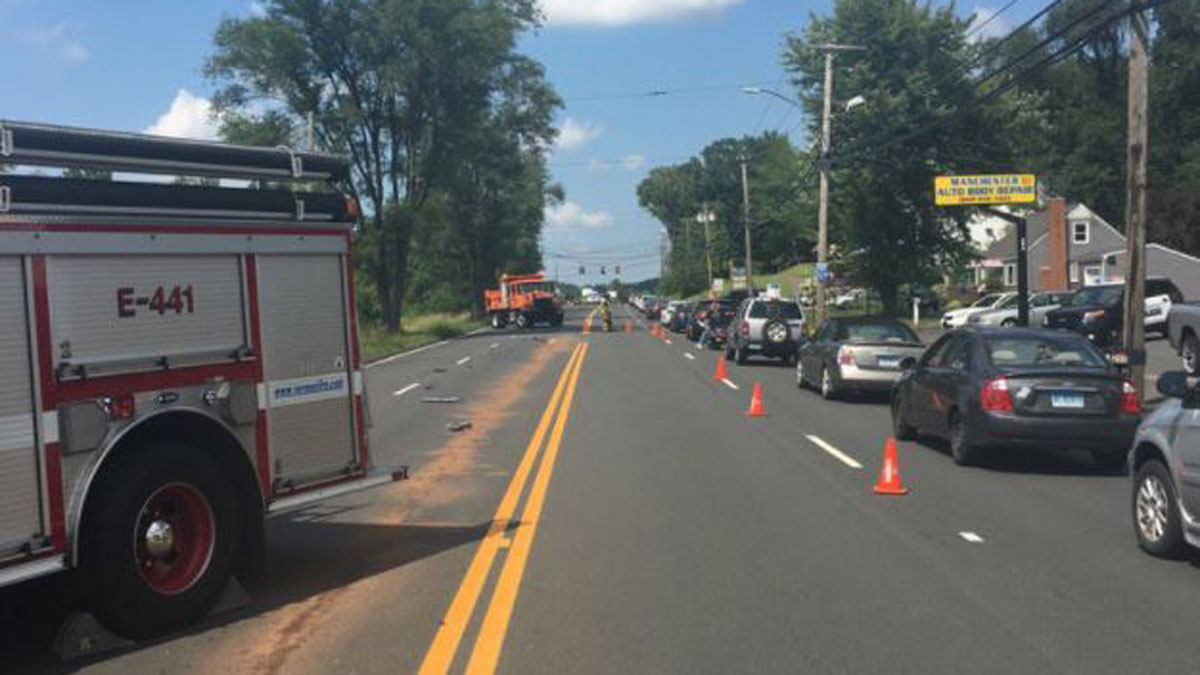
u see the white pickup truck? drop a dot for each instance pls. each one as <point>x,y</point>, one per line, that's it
<point>1183,330</point>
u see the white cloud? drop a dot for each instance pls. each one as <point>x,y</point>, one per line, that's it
<point>633,162</point>
<point>74,52</point>
<point>571,214</point>
<point>574,135</point>
<point>257,9</point>
<point>597,165</point>
<point>993,26</point>
<point>626,12</point>
<point>57,38</point>
<point>189,116</point>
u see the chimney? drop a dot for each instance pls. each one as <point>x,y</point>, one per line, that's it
<point>1056,258</point>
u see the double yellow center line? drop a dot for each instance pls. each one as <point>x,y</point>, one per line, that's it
<point>486,653</point>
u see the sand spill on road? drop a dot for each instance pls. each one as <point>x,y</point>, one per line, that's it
<point>303,636</point>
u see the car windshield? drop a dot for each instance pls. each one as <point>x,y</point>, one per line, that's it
<point>775,310</point>
<point>1009,302</point>
<point>1097,295</point>
<point>986,301</point>
<point>1042,352</point>
<point>880,331</point>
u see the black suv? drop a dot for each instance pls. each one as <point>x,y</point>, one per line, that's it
<point>1098,311</point>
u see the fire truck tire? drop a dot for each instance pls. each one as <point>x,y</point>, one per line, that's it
<point>523,320</point>
<point>159,541</point>
<point>499,320</point>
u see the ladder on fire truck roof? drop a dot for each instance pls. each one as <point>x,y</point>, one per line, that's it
<point>24,144</point>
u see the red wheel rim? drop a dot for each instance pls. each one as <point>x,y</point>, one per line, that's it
<point>173,541</point>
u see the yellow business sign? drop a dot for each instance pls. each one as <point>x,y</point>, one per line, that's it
<point>994,189</point>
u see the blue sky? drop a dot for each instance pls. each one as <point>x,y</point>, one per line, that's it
<point>136,65</point>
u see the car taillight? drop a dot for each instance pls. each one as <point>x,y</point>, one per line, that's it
<point>846,357</point>
<point>121,407</point>
<point>1129,399</point>
<point>745,329</point>
<point>995,396</point>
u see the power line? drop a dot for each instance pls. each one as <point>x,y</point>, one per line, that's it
<point>995,15</point>
<point>659,93</point>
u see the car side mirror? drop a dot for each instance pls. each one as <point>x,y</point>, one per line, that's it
<point>1174,385</point>
<point>909,364</point>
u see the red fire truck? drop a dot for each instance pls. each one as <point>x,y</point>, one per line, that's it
<point>524,300</point>
<point>176,363</point>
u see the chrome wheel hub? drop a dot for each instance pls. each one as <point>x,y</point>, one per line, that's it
<point>1152,506</point>
<point>160,539</point>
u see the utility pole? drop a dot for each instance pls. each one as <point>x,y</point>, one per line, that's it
<point>1135,207</point>
<point>746,224</point>
<point>708,243</point>
<point>823,208</point>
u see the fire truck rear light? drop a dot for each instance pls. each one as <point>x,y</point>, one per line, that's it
<point>121,407</point>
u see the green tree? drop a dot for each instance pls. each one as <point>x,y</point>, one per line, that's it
<point>883,222</point>
<point>392,84</point>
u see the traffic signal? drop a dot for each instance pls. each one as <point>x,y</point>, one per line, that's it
<point>603,270</point>
<point>617,270</point>
<point>582,270</point>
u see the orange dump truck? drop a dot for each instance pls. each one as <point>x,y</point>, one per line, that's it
<point>525,300</point>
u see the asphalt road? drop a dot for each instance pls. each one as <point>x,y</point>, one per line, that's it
<point>612,510</point>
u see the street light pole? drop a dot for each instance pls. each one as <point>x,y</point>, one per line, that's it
<point>823,206</point>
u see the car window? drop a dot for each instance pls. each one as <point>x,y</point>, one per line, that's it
<point>1009,302</point>
<point>986,301</point>
<point>933,356</point>
<point>1042,352</point>
<point>957,354</point>
<point>824,331</point>
<point>789,311</point>
<point>1039,301</point>
<point>1097,295</point>
<point>758,310</point>
<point>876,331</point>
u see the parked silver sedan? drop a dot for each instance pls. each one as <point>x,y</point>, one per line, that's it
<point>1006,314</point>
<point>856,355</point>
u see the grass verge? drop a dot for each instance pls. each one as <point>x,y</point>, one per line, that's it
<point>418,331</point>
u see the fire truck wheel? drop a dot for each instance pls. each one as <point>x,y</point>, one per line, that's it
<point>499,320</point>
<point>523,320</point>
<point>159,541</point>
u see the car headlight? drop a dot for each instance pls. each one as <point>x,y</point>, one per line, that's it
<point>1046,320</point>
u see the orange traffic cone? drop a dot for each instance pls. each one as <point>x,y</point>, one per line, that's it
<point>756,402</point>
<point>719,374</point>
<point>628,326</point>
<point>889,474</point>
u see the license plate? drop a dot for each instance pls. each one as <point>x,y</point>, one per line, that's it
<point>1061,400</point>
<point>888,361</point>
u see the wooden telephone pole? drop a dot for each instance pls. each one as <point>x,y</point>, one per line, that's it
<point>1135,207</point>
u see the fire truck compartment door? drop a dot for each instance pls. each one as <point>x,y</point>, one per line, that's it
<point>121,313</point>
<point>20,499</point>
<point>309,392</point>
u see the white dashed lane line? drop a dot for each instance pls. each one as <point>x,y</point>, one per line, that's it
<point>729,383</point>
<point>688,356</point>
<point>971,537</point>
<point>463,361</point>
<point>837,454</point>
<point>401,392</point>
